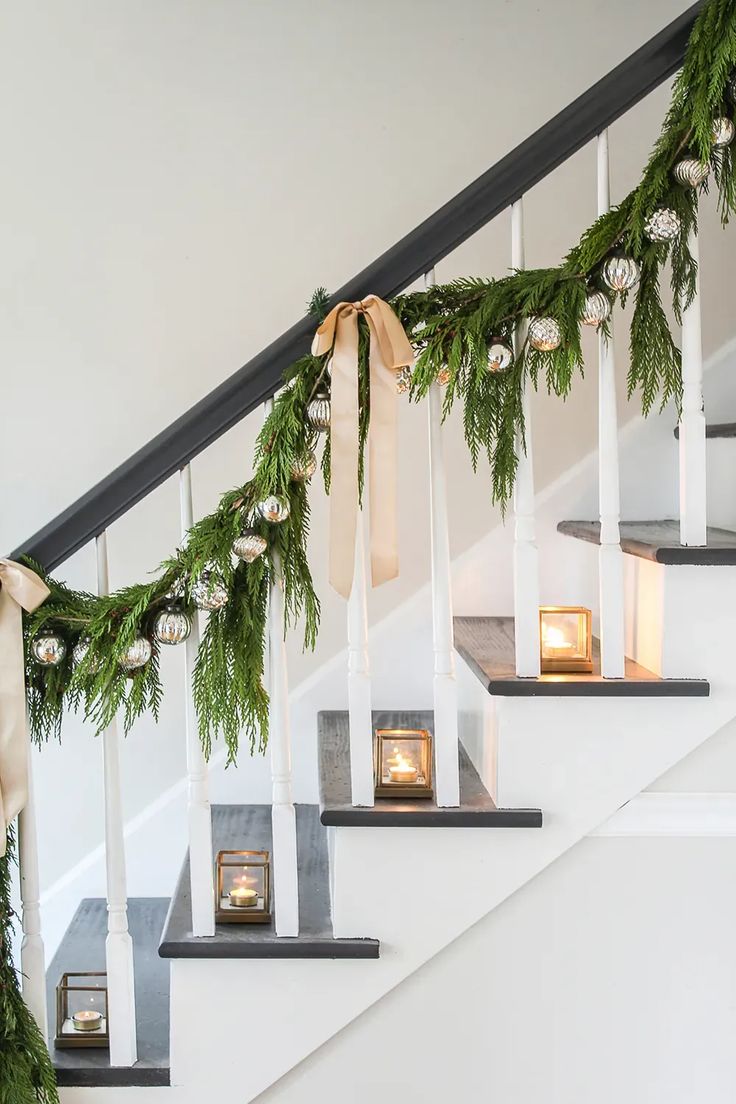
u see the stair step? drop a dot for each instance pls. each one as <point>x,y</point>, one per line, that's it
<point>487,646</point>
<point>249,826</point>
<point>721,429</point>
<point>660,541</point>
<point>82,949</point>
<point>476,810</point>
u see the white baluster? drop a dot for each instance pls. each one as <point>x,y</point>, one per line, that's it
<point>32,956</point>
<point>692,422</point>
<point>198,803</point>
<point>526,557</point>
<point>610,556</point>
<point>359,682</point>
<point>447,781</point>
<point>119,945</point>
<point>283,813</point>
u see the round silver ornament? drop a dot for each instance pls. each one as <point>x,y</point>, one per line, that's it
<point>318,412</point>
<point>403,380</point>
<point>80,652</point>
<point>620,273</point>
<point>731,87</point>
<point>249,545</point>
<point>172,625</point>
<point>303,467</point>
<point>500,355</point>
<point>597,308</point>
<point>690,172</point>
<point>48,648</point>
<point>209,592</point>
<point>275,508</point>
<point>137,655</point>
<point>544,334</point>
<point>722,132</point>
<point>443,377</point>
<point>663,225</point>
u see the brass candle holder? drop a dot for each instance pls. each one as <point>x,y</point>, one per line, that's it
<point>81,1011</point>
<point>243,880</point>
<point>403,762</point>
<point>565,640</point>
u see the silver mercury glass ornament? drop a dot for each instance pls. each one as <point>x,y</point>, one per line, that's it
<point>275,508</point>
<point>80,652</point>
<point>544,334</point>
<point>597,308</point>
<point>722,132</point>
<point>249,545</point>
<point>500,355</point>
<point>48,648</point>
<point>303,467</point>
<point>403,380</point>
<point>172,625</point>
<point>620,273</point>
<point>663,225</point>
<point>690,172</point>
<point>137,655</point>
<point>731,87</point>
<point>209,592</point>
<point>318,412</point>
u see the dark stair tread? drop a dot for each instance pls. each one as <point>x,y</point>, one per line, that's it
<point>476,809</point>
<point>719,429</point>
<point>487,646</point>
<point>82,949</point>
<point>660,541</point>
<point>249,826</point>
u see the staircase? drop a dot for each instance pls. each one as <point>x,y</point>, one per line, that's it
<point>540,760</point>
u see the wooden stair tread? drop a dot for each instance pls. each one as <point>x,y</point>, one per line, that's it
<point>487,646</point>
<point>719,429</point>
<point>660,541</point>
<point>249,826</point>
<point>83,948</point>
<point>476,810</point>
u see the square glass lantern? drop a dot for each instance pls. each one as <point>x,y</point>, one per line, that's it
<point>403,762</point>
<point>243,887</point>
<point>565,639</point>
<point>81,1011</point>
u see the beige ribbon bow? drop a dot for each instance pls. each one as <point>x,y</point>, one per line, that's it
<point>389,350</point>
<point>20,588</point>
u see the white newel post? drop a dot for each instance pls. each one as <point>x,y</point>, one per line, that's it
<point>359,681</point>
<point>526,557</point>
<point>692,421</point>
<point>199,814</point>
<point>119,945</point>
<point>447,780</point>
<point>610,556</point>
<point>32,956</point>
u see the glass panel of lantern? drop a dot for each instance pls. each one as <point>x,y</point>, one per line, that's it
<point>403,762</point>
<point>565,639</point>
<point>81,1011</point>
<point>243,887</point>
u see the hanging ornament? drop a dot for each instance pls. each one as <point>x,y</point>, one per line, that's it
<point>731,87</point>
<point>137,655</point>
<point>403,380</point>
<point>690,172</point>
<point>303,467</point>
<point>597,308</point>
<point>318,412</point>
<point>249,545</point>
<point>172,625</point>
<point>80,652</point>
<point>544,334</point>
<point>663,225</point>
<point>275,508</point>
<point>48,648</point>
<point>209,592</point>
<point>722,132</point>
<point>500,355</point>
<point>443,377</point>
<point>620,272</point>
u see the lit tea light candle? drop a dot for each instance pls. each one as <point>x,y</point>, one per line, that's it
<point>241,896</point>
<point>403,771</point>
<point>87,1020</point>
<point>555,644</point>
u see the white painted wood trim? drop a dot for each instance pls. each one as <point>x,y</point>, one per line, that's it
<point>673,814</point>
<point>119,945</point>
<point>199,814</point>
<point>526,556</point>
<point>692,422</point>
<point>359,681</point>
<point>32,953</point>
<point>446,754</point>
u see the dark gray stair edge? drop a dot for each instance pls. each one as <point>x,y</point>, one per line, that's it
<point>718,429</point>
<point>113,1077</point>
<point>671,554</point>
<point>431,818</point>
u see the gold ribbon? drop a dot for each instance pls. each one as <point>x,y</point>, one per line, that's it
<point>389,350</point>
<point>20,588</point>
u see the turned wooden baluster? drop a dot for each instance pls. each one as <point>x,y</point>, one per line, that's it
<point>32,955</point>
<point>359,681</point>
<point>692,422</point>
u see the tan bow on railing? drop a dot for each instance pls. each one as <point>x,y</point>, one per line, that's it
<point>20,588</point>
<point>389,350</point>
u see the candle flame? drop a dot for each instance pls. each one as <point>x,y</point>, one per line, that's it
<point>553,636</point>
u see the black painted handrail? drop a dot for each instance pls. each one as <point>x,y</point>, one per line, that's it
<point>395,270</point>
